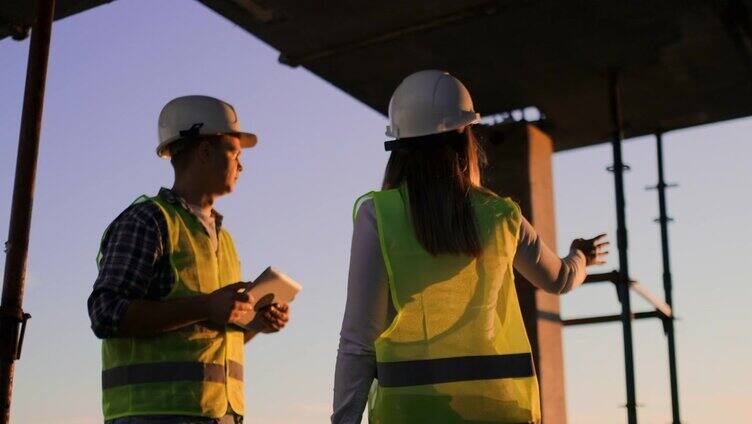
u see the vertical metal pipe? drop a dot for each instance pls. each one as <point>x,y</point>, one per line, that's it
<point>23,194</point>
<point>667,283</point>
<point>622,285</point>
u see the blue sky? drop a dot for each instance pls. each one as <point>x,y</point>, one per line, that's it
<point>112,69</point>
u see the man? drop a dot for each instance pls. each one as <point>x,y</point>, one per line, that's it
<point>169,283</point>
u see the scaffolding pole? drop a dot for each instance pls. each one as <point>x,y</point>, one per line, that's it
<point>621,237</point>
<point>16,248</point>
<point>667,283</point>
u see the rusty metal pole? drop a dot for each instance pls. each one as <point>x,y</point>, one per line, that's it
<point>622,285</point>
<point>667,281</point>
<point>11,312</point>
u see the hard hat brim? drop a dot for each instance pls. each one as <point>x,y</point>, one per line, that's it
<point>247,140</point>
<point>464,119</point>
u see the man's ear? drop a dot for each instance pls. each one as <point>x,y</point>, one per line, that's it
<point>204,150</point>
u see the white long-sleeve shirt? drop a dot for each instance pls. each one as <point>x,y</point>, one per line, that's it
<point>369,309</point>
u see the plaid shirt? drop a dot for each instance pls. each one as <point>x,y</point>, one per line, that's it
<point>135,263</point>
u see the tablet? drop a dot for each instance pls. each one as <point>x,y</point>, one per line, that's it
<point>272,286</point>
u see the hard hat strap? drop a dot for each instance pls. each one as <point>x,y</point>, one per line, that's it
<point>424,141</point>
<point>193,131</point>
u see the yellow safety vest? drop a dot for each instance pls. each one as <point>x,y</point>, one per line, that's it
<point>197,370</point>
<point>457,350</point>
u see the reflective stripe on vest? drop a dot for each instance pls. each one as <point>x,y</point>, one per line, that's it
<point>456,350</point>
<point>445,370</point>
<point>170,371</point>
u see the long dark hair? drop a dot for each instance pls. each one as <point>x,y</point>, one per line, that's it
<point>439,179</point>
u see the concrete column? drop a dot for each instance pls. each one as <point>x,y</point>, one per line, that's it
<point>519,165</point>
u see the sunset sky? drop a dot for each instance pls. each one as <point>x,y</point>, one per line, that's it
<point>114,67</point>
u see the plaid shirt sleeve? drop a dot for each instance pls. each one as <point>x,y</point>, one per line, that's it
<point>131,253</point>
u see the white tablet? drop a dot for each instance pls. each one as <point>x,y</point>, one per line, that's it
<point>272,286</point>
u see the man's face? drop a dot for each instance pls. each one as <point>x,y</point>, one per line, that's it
<point>223,165</point>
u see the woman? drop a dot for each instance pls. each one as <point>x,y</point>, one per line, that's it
<point>432,313</point>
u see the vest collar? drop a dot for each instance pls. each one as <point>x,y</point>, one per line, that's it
<point>172,197</point>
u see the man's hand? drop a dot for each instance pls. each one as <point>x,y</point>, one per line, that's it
<point>593,249</point>
<point>227,305</point>
<point>272,318</point>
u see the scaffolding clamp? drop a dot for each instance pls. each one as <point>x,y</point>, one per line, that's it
<point>660,186</point>
<point>624,167</point>
<point>16,316</point>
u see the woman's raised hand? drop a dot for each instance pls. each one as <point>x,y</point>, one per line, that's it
<point>594,249</point>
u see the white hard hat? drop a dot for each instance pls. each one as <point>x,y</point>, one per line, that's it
<point>194,116</point>
<point>429,102</point>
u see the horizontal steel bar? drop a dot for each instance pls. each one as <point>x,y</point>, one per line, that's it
<point>606,277</point>
<point>638,288</point>
<point>611,318</point>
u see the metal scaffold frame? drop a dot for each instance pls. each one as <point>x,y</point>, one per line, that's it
<point>621,279</point>
<point>12,315</point>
